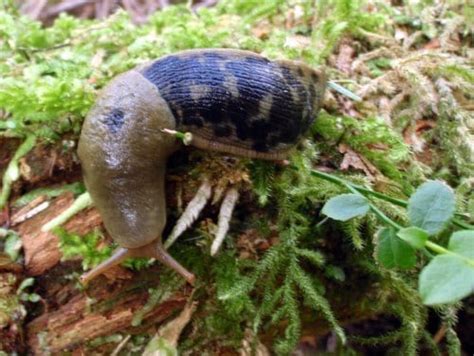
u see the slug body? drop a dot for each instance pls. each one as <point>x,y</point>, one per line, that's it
<point>232,101</point>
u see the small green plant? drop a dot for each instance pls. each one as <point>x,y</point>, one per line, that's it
<point>27,296</point>
<point>87,248</point>
<point>13,171</point>
<point>12,243</point>
<point>74,245</point>
<point>449,276</point>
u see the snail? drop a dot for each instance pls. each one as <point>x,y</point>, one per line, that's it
<point>231,101</point>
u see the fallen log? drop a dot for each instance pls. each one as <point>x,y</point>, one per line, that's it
<point>41,249</point>
<point>103,309</point>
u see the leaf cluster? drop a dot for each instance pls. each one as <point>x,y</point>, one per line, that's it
<point>449,276</point>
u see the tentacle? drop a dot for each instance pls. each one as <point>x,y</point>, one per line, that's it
<point>154,249</point>
<point>120,255</point>
<point>164,257</point>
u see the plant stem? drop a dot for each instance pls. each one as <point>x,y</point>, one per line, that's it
<point>441,250</point>
<point>394,201</point>
<point>374,209</point>
<point>341,181</point>
<point>404,204</point>
<point>437,248</point>
<point>83,201</point>
<point>12,173</point>
<point>384,217</point>
<point>328,177</point>
<point>462,224</point>
<point>368,191</point>
<point>356,189</point>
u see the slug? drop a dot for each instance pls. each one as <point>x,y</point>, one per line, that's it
<point>232,101</point>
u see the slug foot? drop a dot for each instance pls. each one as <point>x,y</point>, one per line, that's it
<point>152,250</point>
<point>223,187</point>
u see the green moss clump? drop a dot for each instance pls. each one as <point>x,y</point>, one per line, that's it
<point>50,77</point>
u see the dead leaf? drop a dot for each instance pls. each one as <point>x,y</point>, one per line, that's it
<point>118,273</point>
<point>6,264</point>
<point>5,216</point>
<point>25,169</point>
<point>294,17</point>
<point>413,134</point>
<point>34,207</point>
<point>401,34</point>
<point>433,44</point>
<point>297,42</point>
<point>262,30</point>
<point>166,339</point>
<point>378,146</point>
<point>345,58</point>
<point>357,161</point>
<point>98,59</point>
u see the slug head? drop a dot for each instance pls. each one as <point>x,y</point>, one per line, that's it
<point>123,154</point>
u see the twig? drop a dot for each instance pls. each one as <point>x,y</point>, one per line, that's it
<point>102,9</point>
<point>65,7</point>
<point>34,8</point>
<point>121,345</point>
<point>33,208</point>
<point>440,334</point>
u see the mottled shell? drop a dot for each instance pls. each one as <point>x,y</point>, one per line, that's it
<point>238,98</point>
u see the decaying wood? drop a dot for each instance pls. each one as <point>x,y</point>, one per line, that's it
<point>31,209</point>
<point>41,249</point>
<point>71,317</point>
<point>112,310</point>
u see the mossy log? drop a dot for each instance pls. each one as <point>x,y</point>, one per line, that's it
<point>111,310</point>
<point>41,249</point>
<point>71,316</point>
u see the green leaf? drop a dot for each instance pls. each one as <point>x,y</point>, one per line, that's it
<point>446,279</point>
<point>415,236</point>
<point>462,242</point>
<point>13,245</point>
<point>346,206</point>
<point>431,206</point>
<point>393,252</point>
<point>34,298</point>
<point>26,283</point>
<point>30,297</point>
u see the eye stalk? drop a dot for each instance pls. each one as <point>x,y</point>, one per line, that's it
<point>152,250</point>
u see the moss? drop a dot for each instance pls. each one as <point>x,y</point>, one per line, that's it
<point>51,76</point>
